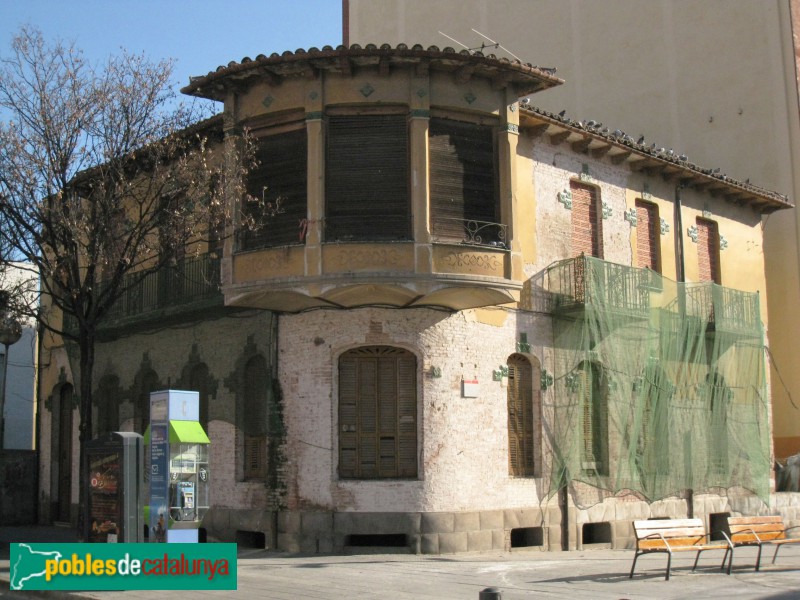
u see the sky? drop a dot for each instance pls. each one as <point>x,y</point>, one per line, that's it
<point>199,35</point>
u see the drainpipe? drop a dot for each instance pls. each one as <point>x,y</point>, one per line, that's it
<point>679,266</point>
<point>680,274</point>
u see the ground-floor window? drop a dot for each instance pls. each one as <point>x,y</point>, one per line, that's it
<point>377,413</point>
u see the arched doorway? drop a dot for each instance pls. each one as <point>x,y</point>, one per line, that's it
<point>61,473</point>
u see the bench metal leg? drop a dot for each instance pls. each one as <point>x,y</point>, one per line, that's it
<point>633,566</point>
<point>774,556</point>
<point>758,559</point>
<point>669,565</point>
<point>696,559</point>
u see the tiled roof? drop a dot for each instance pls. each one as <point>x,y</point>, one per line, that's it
<point>599,141</point>
<point>526,78</point>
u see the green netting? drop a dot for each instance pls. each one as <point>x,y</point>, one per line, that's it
<point>659,387</point>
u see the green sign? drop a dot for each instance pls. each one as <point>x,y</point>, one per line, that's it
<point>123,567</point>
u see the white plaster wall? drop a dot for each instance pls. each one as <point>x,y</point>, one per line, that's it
<point>462,442</point>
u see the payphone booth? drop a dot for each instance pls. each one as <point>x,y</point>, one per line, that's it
<point>179,470</point>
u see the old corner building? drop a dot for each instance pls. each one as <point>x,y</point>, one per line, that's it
<point>469,324</point>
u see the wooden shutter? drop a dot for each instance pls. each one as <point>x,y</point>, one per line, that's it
<point>708,250</point>
<point>253,422</point>
<point>255,457</point>
<point>366,178</point>
<point>283,171</point>
<point>377,413</point>
<point>520,417</point>
<point>586,380</point>
<point>348,416</point>
<point>647,237</point>
<point>463,183</point>
<point>586,224</point>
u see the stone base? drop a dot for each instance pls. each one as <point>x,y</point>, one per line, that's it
<point>417,533</point>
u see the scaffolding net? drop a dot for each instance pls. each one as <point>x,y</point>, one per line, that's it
<point>658,387</point>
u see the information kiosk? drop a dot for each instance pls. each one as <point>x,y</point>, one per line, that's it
<point>114,467</point>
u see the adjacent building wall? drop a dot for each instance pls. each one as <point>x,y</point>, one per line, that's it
<point>714,79</point>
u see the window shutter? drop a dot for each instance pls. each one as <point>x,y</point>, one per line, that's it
<point>407,416</point>
<point>367,418</point>
<point>463,183</point>
<point>348,417</point>
<point>586,385</point>
<point>586,224</point>
<point>520,418</point>
<point>366,178</point>
<point>647,238</point>
<point>283,171</point>
<point>377,413</point>
<point>253,420</point>
<point>255,457</point>
<point>708,250</point>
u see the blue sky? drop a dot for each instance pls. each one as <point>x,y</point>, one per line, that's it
<point>199,34</point>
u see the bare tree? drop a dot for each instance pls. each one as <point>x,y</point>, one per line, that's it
<point>104,177</point>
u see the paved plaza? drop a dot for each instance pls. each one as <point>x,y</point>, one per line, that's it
<point>594,574</point>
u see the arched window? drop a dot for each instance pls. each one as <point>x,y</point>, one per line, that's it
<point>377,413</point>
<point>524,417</point>
<point>254,420</point>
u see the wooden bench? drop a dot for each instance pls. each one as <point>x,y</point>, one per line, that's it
<point>676,535</point>
<point>760,531</point>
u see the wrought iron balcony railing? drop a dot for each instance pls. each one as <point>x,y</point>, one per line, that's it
<point>725,309</point>
<point>584,281</point>
<point>469,231</point>
<point>190,283</point>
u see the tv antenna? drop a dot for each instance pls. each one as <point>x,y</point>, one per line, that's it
<point>492,44</point>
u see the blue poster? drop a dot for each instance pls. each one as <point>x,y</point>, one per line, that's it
<point>159,482</point>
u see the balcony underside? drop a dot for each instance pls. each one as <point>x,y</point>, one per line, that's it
<point>294,300</point>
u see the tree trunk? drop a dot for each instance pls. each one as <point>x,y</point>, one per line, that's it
<point>86,342</point>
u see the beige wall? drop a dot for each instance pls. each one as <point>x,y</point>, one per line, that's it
<point>714,79</point>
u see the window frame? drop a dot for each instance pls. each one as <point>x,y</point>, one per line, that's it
<point>267,205</point>
<point>595,220</point>
<point>362,430</point>
<point>523,395</point>
<point>708,232</point>
<point>367,166</point>
<point>465,217</point>
<point>253,421</point>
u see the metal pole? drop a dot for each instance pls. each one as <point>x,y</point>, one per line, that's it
<point>3,400</point>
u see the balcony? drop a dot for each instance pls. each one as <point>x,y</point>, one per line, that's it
<point>724,309</point>
<point>576,285</point>
<point>173,293</point>
<point>371,263</point>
